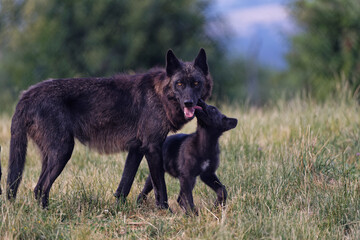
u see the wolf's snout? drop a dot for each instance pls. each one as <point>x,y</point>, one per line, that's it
<point>188,103</point>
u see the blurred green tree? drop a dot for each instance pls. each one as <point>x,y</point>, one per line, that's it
<point>327,49</point>
<point>42,39</point>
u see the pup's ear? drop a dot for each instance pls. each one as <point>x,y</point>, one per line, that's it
<point>172,63</point>
<point>201,63</point>
<point>229,123</point>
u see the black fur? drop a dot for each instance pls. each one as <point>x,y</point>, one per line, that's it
<point>122,113</point>
<point>187,156</point>
<point>0,170</point>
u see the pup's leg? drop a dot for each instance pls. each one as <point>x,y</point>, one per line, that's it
<point>147,188</point>
<point>212,181</point>
<point>185,198</point>
<point>132,163</point>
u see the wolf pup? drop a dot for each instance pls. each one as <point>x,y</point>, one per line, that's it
<point>187,156</point>
<point>131,113</point>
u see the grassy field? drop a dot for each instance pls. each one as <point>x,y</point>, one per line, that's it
<point>292,171</point>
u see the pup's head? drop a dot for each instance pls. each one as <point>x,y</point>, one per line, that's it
<point>211,118</point>
<point>190,81</point>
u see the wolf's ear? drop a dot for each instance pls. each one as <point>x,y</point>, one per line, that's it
<point>172,63</point>
<point>201,63</point>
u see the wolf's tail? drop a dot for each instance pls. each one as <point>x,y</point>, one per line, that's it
<point>0,169</point>
<point>18,146</point>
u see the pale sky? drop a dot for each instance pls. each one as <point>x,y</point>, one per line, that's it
<point>267,21</point>
<point>244,20</point>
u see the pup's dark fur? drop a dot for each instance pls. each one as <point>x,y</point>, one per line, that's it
<point>124,112</point>
<point>187,156</point>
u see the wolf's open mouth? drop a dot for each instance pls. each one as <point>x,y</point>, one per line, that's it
<point>189,111</point>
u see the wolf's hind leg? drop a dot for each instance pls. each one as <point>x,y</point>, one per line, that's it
<point>57,157</point>
<point>40,183</point>
<point>185,198</point>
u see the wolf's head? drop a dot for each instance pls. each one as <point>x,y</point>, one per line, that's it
<point>211,118</point>
<point>190,81</point>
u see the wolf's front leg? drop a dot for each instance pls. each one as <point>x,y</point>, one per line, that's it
<point>132,163</point>
<point>214,183</point>
<point>157,174</point>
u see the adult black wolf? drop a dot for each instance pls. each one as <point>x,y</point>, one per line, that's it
<point>124,112</point>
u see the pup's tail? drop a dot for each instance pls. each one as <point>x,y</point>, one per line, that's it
<point>18,146</point>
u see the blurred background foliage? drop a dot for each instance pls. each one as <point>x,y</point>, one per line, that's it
<point>326,51</point>
<point>41,39</point>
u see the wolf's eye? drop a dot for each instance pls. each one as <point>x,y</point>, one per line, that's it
<point>179,84</point>
<point>196,83</point>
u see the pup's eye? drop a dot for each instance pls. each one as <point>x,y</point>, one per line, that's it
<point>196,83</point>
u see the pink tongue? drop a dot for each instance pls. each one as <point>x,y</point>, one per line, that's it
<point>189,112</point>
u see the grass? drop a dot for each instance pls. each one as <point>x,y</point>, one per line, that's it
<point>292,171</point>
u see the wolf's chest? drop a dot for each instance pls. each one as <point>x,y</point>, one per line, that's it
<point>205,164</point>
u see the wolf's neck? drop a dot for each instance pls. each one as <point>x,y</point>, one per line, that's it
<point>174,113</point>
<point>206,139</point>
